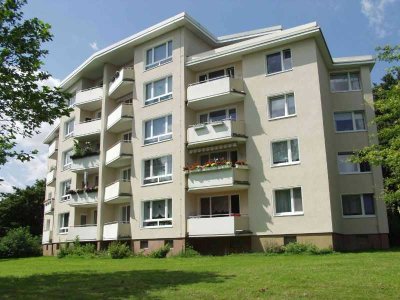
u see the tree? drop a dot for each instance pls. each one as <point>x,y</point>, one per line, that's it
<point>387,107</point>
<point>23,208</point>
<point>24,103</point>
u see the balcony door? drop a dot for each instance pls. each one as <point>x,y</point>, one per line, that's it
<point>219,206</point>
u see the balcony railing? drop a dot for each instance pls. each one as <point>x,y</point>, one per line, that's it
<point>222,178</point>
<point>89,99</point>
<point>83,232</point>
<point>116,231</point>
<point>87,129</point>
<point>218,225</point>
<point>215,92</point>
<point>53,149</point>
<point>48,206</point>
<point>120,119</point>
<point>122,82</point>
<point>46,237</point>
<point>84,199</point>
<point>51,177</point>
<point>118,192</point>
<point>119,155</point>
<point>218,132</point>
<point>88,163</point>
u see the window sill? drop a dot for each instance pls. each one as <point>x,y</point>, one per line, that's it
<point>62,233</point>
<point>157,227</point>
<point>157,183</point>
<point>280,72</point>
<point>283,117</point>
<point>355,173</point>
<point>160,142</point>
<point>351,131</point>
<point>285,165</point>
<point>359,217</point>
<point>159,65</point>
<point>151,104</point>
<point>349,91</point>
<point>289,214</point>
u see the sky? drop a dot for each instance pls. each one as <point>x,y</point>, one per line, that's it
<point>350,27</point>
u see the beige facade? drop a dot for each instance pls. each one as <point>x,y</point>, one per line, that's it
<point>225,143</point>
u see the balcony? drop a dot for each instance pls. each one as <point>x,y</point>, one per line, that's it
<point>88,129</point>
<point>122,83</point>
<point>120,119</point>
<point>51,177</point>
<point>53,150</point>
<point>215,92</point>
<point>218,179</point>
<point>119,155</point>
<point>116,231</point>
<point>89,99</point>
<point>89,163</point>
<point>49,206</point>
<point>218,225</point>
<point>46,237</point>
<point>84,199</point>
<point>118,192</point>
<point>216,133</point>
<point>83,232</point>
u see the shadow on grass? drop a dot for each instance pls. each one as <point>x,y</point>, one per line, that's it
<point>136,284</point>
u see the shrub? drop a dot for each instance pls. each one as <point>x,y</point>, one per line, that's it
<point>18,242</point>
<point>77,249</point>
<point>298,248</point>
<point>161,252</point>
<point>118,250</point>
<point>323,251</point>
<point>273,248</point>
<point>188,252</point>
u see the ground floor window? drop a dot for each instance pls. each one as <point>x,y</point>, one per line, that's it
<point>157,213</point>
<point>63,220</point>
<point>358,205</point>
<point>219,205</point>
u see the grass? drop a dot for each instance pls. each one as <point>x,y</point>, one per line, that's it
<point>248,276</point>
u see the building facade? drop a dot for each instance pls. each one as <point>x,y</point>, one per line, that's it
<point>229,144</point>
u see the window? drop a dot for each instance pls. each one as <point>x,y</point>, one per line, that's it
<point>285,152</point>
<point>126,174</point>
<point>349,121</point>
<point>69,128</point>
<point>157,213</point>
<point>83,220</point>
<point>358,205</point>
<point>170,243</point>
<point>158,91</point>
<point>71,101</point>
<point>127,137</point>
<point>347,167</point>
<point>281,106</point>
<point>65,187</point>
<point>288,202</point>
<point>144,244</point>
<point>344,82</point>
<point>126,214</point>
<point>218,115</point>
<point>95,217</point>
<point>158,170</point>
<point>279,61</point>
<point>159,55</point>
<point>218,156</point>
<point>217,74</point>
<point>63,220</point>
<point>47,226</point>
<point>158,130</point>
<point>67,161</point>
<point>220,206</point>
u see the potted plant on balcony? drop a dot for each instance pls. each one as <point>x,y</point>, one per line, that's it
<point>241,164</point>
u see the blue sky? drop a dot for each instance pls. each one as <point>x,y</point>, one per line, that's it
<point>350,27</point>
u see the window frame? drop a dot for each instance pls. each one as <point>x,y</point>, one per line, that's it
<point>63,229</point>
<point>207,112</point>
<point>348,81</point>
<point>363,215</point>
<point>67,126</point>
<point>226,70</point>
<point>353,119</point>
<point>166,96</point>
<point>63,191</point>
<point>151,171</point>
<point>289,149</point>
<point>126,214</point>
<point>64,156</point>
<point>287,115</point>
<point>154,64</point>
<point>152,137</point>
<point>282,65</point>
<point>358,165</point>
<point>292,213</point>
<point>151,220</point>
<point>210,197</point>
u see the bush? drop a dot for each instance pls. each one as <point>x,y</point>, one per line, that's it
<point>119,250</point>
<point>273,248</point>
<point>188,252</point>
<point>160,253</point>
<point>19,242</point>
<point>298,248</point>
<point>77,250</point>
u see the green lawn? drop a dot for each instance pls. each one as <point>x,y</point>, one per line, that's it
<point>249,276</point>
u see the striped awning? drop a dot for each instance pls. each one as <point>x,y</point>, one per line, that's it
<point>213,148</point>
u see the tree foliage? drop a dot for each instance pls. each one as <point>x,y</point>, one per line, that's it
<point>23,208</point>
<point>24,102</point>
<point>19,242</point>
<point>387,107</point>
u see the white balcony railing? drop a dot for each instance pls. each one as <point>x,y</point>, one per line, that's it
<point>217,225</point>
<point>48,206</point>
<point>118,192</point>
<point>87,128</point>
<point>116,231</point>
<point>119,155</point>
<point>83,232</point>
<point>87,163</point>
<point>122,82</point>
<point>219,179</point>
<point>51,177</point>
<point>84,199</point>
<point>53,149</point>
<point>215,92</point>
<point>216,133</point>
<point>46,237</point>
<point>120,119</point>
<point>89,99</point>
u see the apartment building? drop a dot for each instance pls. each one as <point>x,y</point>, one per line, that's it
<point>227,143</point>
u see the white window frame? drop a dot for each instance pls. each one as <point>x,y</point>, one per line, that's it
<point>157,99</point>
<point>361,197</point>
<point>67,127</point>
<point>129,170</point>
<point>167,59</point>
<point>71,101</point>
<point>353,112</point>
<point>281,53</point>
<point>348,81</point>
<point>158,137</point>
<point>207,112</point>
<point>68,165</point>
<point>286,115</point>
<point>152,177</point>
<point>129,133</point>
<point>292,213</point>
<point>207,74</point>
<point>63,190</point>
<point>166,219</point>
<point>230,213</point>
<point>357,164</point>
<point>125,212</point>
<point>289,148</point>
<point>61,220</point>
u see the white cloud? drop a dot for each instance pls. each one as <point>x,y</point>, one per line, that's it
<point>50,82</point>
<point>374,10</point>
<point>94,46</point>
